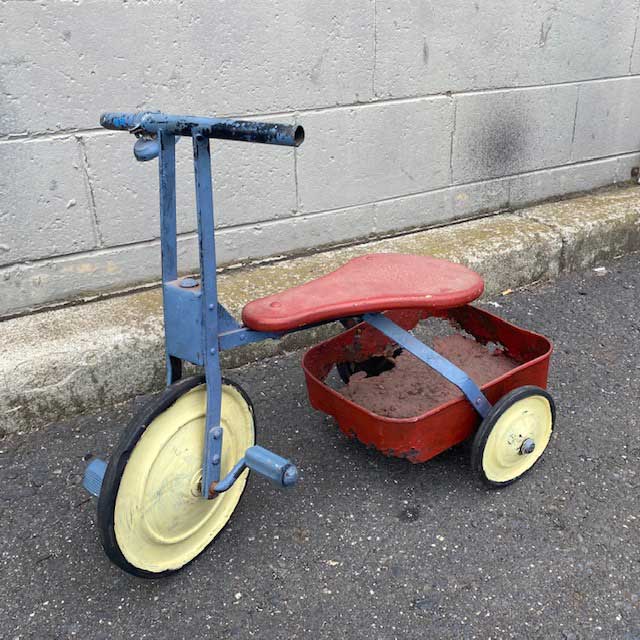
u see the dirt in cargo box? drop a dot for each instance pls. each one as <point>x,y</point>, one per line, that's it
<point>411,388</point>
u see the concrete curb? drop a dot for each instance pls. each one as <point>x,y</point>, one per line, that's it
<point>64,362</point>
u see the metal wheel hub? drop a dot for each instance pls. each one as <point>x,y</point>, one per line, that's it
<point>527,447</point>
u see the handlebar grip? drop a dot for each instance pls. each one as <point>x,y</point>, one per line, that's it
<point>244,130</point>
<point>120,121</point>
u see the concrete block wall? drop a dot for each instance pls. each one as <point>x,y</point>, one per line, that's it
<point>416,113</point>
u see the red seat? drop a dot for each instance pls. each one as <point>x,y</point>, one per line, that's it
<point>377,282</point>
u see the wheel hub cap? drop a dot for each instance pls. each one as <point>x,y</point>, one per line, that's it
<point>527,447</point>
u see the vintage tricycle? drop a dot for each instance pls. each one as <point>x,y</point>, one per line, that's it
<point>180,468</point>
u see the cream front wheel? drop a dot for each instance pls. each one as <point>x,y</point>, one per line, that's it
<point>152,517</point>
<point>513,436</point>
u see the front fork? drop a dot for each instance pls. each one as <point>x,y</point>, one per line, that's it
<point>261,460</point>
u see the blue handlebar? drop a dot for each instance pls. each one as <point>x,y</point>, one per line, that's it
<point>225,129</point>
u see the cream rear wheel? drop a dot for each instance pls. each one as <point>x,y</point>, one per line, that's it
<point>152,517</point>
<point>513,436</point>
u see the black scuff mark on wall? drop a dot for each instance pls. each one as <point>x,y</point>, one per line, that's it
<point>500,145</point>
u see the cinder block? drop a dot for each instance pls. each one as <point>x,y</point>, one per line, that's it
<point>44,207</point>
<point>502,133</point>
<point>432,47</point>
<point>440,206</point>
<point>68,61</point>
<point>634,66</point>
<point>362,154</point>
<point>282,237</point>
<point>550,183</point>
<point>252,182</point>
<point>28,286</point>
<point>606,118</point>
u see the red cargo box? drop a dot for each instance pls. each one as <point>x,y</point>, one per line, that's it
<point>422,437</point>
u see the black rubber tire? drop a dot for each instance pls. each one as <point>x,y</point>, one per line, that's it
<point>487,424</point>
<point>118,461</point>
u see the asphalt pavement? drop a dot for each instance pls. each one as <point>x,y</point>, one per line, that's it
<point>367,546</point>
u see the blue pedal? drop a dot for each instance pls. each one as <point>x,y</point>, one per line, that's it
<point>274,467</point>
<point>93,476</point>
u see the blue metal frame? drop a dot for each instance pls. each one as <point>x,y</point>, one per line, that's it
<point>197,326</point>
<point>168,235</point>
